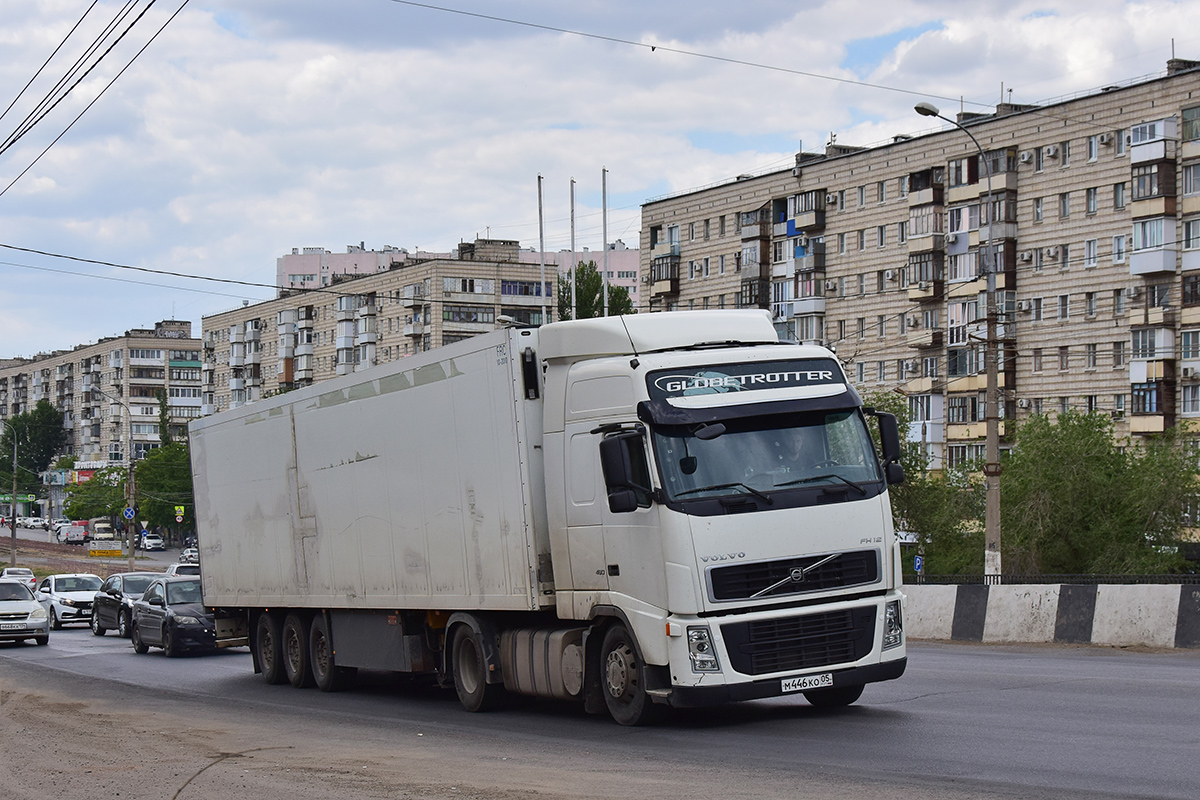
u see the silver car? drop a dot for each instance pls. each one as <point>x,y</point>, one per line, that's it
<point>68,597</point>
<point>21,616</point>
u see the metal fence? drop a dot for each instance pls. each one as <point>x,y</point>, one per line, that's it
<point>913,579</point>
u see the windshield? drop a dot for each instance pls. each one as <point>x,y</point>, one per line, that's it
<point>761,455</point>
<point>14,591</point>
<point>187,592</point>
<point>82,583</point>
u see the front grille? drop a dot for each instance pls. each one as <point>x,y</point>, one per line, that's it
<point>740,581</point>
<point>795,643</point>
<point>13,615</point>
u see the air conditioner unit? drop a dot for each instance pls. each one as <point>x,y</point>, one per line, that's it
<point>795,172</point>
<point>951,238</point>
<point>1024,305</point>
<point>803,241</point>
<point>1189,372</point>
<point>1027,256</point>
<point>831,286</point>
<point>914,322</point>
<point>1051,151</point>
<point>1051,252</point>
<point>645,279</point>
<point>1106,138</point>
<point>1132,291</point>
<point>889,275</point>
<point>923,286</point>
<point>831,199</point>
<point>912,365</point>
<point>1026,156</point>
<point>1023,402</point>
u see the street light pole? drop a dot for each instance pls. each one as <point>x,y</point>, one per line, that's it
<point>12,506</point>
<point>130,486</point>
<point>991,466</point>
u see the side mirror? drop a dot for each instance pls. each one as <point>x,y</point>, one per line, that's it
<point>889,439</point>
<point>626,474</point>
<point>894,472</point>
<point>155,601</point>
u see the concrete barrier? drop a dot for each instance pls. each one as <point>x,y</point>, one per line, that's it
<point>1151,615</point>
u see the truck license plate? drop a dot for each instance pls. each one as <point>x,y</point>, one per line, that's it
<point>12,626</point>
<point>806,682</point>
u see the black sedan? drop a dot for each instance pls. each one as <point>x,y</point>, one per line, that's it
<point>112,608</point>
<point>170,615</point>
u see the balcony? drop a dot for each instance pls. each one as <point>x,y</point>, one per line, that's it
<point>1152,262</point>
<point>932,195</point>
<point>664,250</point>
<point>1147,423</point>
<point>925,290</point>
<point>808,305</point>
<point>813,261</point>
<point>808,222</point>
<point>1159,316</point>
<point>925,338</point>
<point>926,243</point>
<point>414,329</point>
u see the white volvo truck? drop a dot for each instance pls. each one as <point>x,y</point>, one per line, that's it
<point>659,509</point>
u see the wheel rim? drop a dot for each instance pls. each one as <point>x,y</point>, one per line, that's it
<point>122,624</point>
<point>266,649</point>
<point>291,644</point>
<point>95,622</point>
<point>620,673</point>
<point>320,663</point>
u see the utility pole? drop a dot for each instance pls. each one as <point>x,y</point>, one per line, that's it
<point>991,466</point>
<point>12,506</point>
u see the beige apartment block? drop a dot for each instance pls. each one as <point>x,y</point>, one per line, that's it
<point>109,391</point>
<point>1093,223</point>
<point>305,337</point>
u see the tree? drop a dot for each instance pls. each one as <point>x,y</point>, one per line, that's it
<point>1076,501</point>
<point>164,480</point>
<point>103,495</point>
<point>40,437</point>
<point>589,292</point>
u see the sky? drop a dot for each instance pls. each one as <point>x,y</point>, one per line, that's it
<point>246,128</point>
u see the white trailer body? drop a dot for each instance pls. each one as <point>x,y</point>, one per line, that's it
<point>658,509</point>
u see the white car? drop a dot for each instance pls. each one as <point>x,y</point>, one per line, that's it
<point>68,597</point>
<point>22,574</point>
<point>21,616</point>
<point>152,541</point>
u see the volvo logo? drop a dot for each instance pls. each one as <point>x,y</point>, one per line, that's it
<point>798,574</point>
<point>722,557</point>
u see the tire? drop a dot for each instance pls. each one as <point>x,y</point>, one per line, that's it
<point>97,628</point>
<point>328,676</point>
<point>622,678</point>
<point>123,624</point>
<point>135,636</point>
<point>269,650</point>
<point>834,698</point>
<point>295,652</point>
<point>55,623</point>
<point>470,673</point>
<point>171,648</point>
<point>41,641</point>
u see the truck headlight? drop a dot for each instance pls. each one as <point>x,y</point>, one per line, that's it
<point>700,648</point>
<point>893,625</point>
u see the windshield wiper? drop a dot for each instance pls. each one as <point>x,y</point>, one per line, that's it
<point>714,487</point>
<point>856,486</point>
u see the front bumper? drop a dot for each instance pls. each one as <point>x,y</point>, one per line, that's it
<point>76,613</point>
<point>29,629</point>
<point>696,696</point>
<point>195,637</point>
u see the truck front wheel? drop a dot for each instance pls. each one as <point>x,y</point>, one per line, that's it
<point>295,652</point>
<point>470,672</point>
<point>267,643</point>
<point>622,678</point>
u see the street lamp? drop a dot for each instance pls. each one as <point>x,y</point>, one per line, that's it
<point>130,487</point>
<point>991,466</point>
<point>12,506</point>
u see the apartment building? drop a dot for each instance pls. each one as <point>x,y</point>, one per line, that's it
<point>1088,207</point>
<point>109,391</point>
<point>305,337</point>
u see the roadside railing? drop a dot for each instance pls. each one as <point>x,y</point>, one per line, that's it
<point>1078,580</point>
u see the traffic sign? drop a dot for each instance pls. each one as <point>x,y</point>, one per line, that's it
<point>179,513</point>
<point>127,513</point>
<point>179,517</point>
<point>919,563</point>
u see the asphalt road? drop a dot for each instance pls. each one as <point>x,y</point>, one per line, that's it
<point>965,721</point>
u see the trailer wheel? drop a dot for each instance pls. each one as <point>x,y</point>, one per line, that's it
<point>295,652</point>
<point>470,673</point>
<point>328,676</point>
<point>834,698</point>
<point>268,646</point>
<point>622,679</point>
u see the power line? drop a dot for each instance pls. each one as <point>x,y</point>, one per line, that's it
<point>694,54</point>
<point>96,98</point>
<point>48,59</point>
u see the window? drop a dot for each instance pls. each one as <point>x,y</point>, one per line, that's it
<point>1039,156</point>
<point>963,266</point>
<point>1064,306</point>
<point>1120,142</point>
<point>1191,398</point>
<point>1118,196</point>
<point>862,196</point>
<point>1191,179</point>
<point>881,191</point>
<point>862,239</point>
<point>721,225</point>
<point>1118,354</point>
<point>707,229</point>
<point>1145,398</point>
<point>1118,251</point>
<point>1092,196</point>
<point>860,326</point>
<point>1191,234</point>
<point>1190,131</point>
<point>472,314</point>
<point>1064,150</point>
<point>1191,290</point>
<point>841,200</point>
<point>691,231</point>
<point>1090,353</point>
<point>1145,181</point>
<point>1189,344</point>
<point>1146,132</point>
<point>902,186</point>
<point>1119,404</point>
<point>1037,309</point>
<point>721,261</point>
<point>841,242</point>
<point>1064,205</point>
<point>860,371</point>
<point>962,171</point>
<point>1036,358</point>
<point>901,232</point>
<point>1064,251</point>
<point>1091,253</point>
<point>1158,295</point>
<point>1037,209</point>
<point>1147,234</point>
<point>1089,304</point>
<point>1093,148</point>
<point>880,327</point>
<point>1143,343</point>
<point>1064,358</point>
<point>525,288</point>
<point>881,234</point>
<point>1064,404</point>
